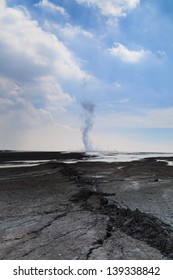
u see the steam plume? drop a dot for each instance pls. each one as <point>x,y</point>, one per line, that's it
<point>88,117</point>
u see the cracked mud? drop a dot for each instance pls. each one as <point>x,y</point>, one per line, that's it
<point>87,211</point>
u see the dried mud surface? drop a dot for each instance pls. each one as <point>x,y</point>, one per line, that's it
<point>87,210</point>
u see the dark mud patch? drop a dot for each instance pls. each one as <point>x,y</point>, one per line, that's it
<point>6,156</point>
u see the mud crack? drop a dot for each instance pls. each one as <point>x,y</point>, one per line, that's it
<point>139,225</point>
<point>99,243</point>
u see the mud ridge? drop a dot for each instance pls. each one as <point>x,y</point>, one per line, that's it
<point>139,225</point>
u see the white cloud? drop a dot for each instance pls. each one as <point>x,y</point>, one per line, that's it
<point>71,31</point>
<point>161,118</point>
<point>27,51</point>
<point>28,116</point>
<point>2,6</point>
<point>47,91</point>
<point>67,31</point>
<point>115,8</point>
<point>32,104</point>
<point>55,137</point>
<point>153,118</point>
<point>127,55</point>
<point>127,142</point>
<point>33,65</point>
<point>45,4</point>
<point>161,54</point>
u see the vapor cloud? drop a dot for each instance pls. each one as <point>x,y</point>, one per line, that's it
<point>88,118</point>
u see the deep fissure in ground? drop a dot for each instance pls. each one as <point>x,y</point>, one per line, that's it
<point>139,225</point>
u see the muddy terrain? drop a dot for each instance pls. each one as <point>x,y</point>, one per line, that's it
<point>86,210</point>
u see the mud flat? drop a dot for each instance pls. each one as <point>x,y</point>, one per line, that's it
<point>86,210</point>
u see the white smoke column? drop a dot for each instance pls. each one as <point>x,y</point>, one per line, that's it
<point>88,118</point>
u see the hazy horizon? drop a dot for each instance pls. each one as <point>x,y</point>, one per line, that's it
<point>88,152</point>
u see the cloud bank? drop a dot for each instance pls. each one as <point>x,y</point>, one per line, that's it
<point>33,64</point>
<point>115,8</point>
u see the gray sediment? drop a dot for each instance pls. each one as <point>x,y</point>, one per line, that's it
<point>87,211</point>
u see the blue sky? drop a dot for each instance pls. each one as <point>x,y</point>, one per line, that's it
<point>114,54</point>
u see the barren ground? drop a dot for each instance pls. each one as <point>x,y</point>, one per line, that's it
<point>86,210</point>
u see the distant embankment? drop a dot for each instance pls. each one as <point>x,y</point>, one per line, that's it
<point>6,156</point>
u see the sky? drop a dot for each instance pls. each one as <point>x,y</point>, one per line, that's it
<point>58,58</point>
